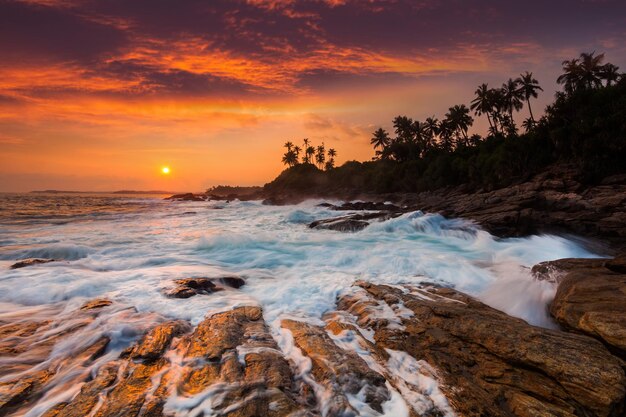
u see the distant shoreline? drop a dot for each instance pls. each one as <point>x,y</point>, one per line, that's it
<point>101,192</point>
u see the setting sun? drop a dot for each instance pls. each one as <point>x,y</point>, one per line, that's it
<point>165,170</point>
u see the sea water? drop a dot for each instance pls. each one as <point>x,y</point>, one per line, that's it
<point>129,249</point>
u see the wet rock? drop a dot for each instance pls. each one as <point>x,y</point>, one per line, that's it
<point>188,287</point>
<point>152,346</point>
<point>552,201</point>
<point>554,271</point>
<point>351,223</point>
<point>339,371</point>
<point>492,364</point>
<point>187,197</point>
<point>591,299</point>
<point>362,205</point>
<point>235,350</point>
<point>30,262</point>
<point>88,397</point>
<point>96,304</point>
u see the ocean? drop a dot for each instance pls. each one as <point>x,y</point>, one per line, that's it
<point>130,249</point>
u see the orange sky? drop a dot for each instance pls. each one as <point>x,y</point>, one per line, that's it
<point>100,95</point>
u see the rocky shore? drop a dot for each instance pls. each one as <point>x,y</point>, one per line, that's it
<point>554,201</point>
<point>440,351</point>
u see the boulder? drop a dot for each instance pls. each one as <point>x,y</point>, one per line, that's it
<point>187,197</point>
<point>489,363</point>
<point>188,287</point>
<point>351,223</point>
<point>591,299</point>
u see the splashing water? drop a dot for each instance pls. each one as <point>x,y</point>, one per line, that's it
<point>129,250</point>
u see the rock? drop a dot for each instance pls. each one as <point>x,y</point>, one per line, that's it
<point>152,346</point>
<point>489,363</point>
<point>591,299</point>
<point>351,223</point>
<point>554,271</point>
<point>96,304</point>
<point>30,262</point>
<point>187,197</point>
<point>340,372</point>
<point>188,287</point>
<point>617,264</point>
<point>362,205</point>
<point>236,348</point>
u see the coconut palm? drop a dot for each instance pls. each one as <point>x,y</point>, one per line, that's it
<point>331,159</point>
<point>528,87</point>
<point>320,155</point>
<point>305,157</point>
<point>309,152</point>
<point>288,145</point>
<point>528,124</point>
<point>570,76</point>
<point>290,158</point>
<point>380,139</point>
<point>586,72</point>
<point>483,103</point>
<point>512,97</point>
<point>297,150</point>
<point>459,121</point>
<point>610,74</point>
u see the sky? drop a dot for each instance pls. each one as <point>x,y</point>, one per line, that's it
<point>101,94</point>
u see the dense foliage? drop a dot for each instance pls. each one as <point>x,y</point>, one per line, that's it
<point>585,127</point>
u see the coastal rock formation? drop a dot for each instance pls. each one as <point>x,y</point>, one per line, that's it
<point>30,262</point>
<point>490,363</point>
<point>188,287</point>
<point>340,372</point>
<point>553,201</point>
<point>351,223</point>
<point>421,349</point>
<point>187,197</point>
<point>591,299</point>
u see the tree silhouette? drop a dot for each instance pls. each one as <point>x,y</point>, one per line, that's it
<point>320,156</point>
<point>512,99</point>
<point>458,121</point>
<point>331,159</point>
<point>483,103</point>
<point>310,153</point>
<point>306,158</point>
<point>381,139</point>
<point>528,87</point>
<point>610,74</point>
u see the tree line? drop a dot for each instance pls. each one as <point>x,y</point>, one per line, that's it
<point>584,127</point>
<point>311,154</point>
<point>415,139</point>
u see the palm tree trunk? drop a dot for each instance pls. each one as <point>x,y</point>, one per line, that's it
<point>530,110</point>
<point>489,120</point>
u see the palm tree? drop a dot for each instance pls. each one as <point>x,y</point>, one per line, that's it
<point>610,74</point>
<point>528,87</point>
<point>305,157</point>
<point>591,69</point>
<point>296,151</point>
<point>309,152</point>
<point>320,156</point>
<point>288,145</point>
<point>459,121</point>
<point>570,76</point>
<point>331,159</point>
<point>528,124</point>
<point>290,158</point>
<point>404,128</point>
<point>512,97</point>
<point>380,140</point>
<point>483,103</point>
<point>586,72</point>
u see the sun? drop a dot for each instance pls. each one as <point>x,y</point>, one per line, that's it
<point>165,170</point>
